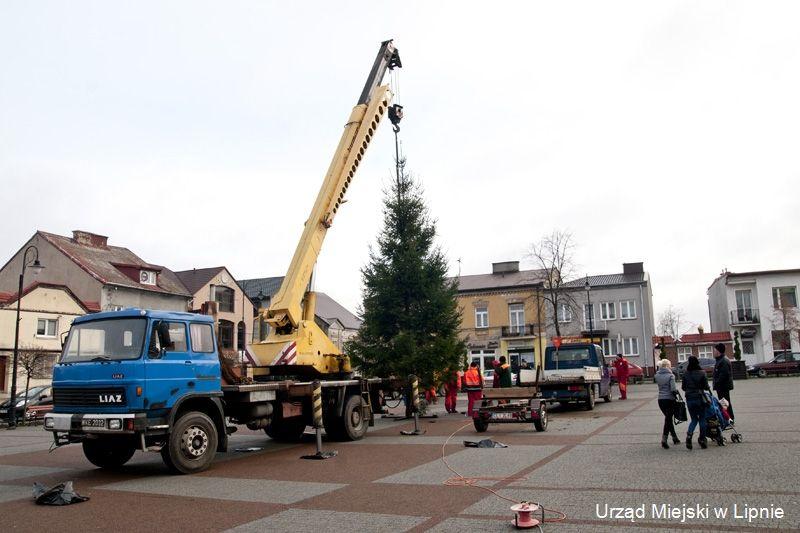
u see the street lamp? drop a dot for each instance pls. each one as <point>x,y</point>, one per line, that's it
<point>588,288</point>
<point>36,268</point>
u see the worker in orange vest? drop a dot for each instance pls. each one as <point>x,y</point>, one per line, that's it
<point>473,385</point>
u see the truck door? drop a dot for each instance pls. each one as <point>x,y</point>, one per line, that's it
<point>205,358</point>
<point>170,368</point>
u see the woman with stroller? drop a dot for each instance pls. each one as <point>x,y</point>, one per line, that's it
<point>667,391</point>
<point>695,384</point>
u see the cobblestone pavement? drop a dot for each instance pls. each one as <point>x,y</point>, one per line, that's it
<point>585,462</point>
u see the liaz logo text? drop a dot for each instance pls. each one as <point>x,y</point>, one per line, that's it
<point>110,398</point>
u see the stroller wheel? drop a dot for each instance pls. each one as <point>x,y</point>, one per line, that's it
<point>736,437</point>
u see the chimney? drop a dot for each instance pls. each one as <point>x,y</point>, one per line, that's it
<point>89,239</point>
<point>632,268</point>
<point>506,267</point>
<point>700,329</point>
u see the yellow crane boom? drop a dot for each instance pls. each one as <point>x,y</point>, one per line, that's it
<point>296,345</point>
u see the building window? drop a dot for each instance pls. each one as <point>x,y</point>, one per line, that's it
<point>611,346</point>
<point>226,335</point>
<point>627,309</point>
<point>630,346</point>
<point>224,298</point>
<point>683,353</point>
<point>147,277</point>
<point>781,340</point>
<point>516,317</point>
<point>705,351</point>
<point>748,347</point>
<point>481,317</point>
<point>608,311</point>
<point>564,313</point>
<point>588,315</point>
<point>240,334</point>
<point>46,327</point>
<point>784,297</point>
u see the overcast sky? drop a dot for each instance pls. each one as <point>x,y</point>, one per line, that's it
<point>198,133</point>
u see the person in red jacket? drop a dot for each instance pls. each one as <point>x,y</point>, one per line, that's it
<point>622,367</point>
<point>451,391</point>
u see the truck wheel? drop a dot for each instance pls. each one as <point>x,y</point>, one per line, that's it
<point>540,423</point>
<point>481,424</point>
<point>352,425</point>
<point>108,453</point>
<point>590,398</point>
<point>192,444</point>
<point>286,429</point>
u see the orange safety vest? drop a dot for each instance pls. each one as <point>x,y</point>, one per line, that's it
<point>472,378</point>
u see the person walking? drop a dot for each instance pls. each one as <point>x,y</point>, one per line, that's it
<point>623,370</point>
<point>667,391</point>
<point>451,386</point>
<point>473,385</point>
<point>723,377</point>
<point>694,384</point>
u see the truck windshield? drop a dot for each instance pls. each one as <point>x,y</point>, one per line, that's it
<point>570,357</point>
<point>105,340</point>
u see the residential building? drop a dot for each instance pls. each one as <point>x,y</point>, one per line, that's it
<point>95,271</point>
<point>700,344</point>
<point>46,313</point>
<point>502,314</point>
<point>761,306</point>
<point>216,292</point>
<point>335,320</point>
<point>616,311</point>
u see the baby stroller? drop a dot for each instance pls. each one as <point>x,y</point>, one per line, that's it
<point>717,422</point>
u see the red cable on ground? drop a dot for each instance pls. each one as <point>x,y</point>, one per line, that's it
<point>461,481</point>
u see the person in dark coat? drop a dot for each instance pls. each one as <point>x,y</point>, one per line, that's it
<point>723,377</point>
<point>694,384</point>
<point>504,373</point>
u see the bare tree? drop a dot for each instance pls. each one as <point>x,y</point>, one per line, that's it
<point>785,322</point>
<point>672,323</point>
<point>554,255</point>
<point>35,364</point>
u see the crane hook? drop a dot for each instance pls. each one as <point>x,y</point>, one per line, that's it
<point>395,116</point>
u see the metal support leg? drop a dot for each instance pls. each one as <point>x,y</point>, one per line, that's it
<point>414,381</point>
<point>316,403</point>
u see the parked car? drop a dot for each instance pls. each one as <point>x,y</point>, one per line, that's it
<point>35,413</point>
<point>635,372</point>
<point>36,395</point>
<point>706,363</point>
<point>785,363</point>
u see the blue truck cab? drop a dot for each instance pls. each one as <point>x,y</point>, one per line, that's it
<point>576,373</point>
<point>140,379</point>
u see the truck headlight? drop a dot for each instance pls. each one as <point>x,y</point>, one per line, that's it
<point>114,423</point>
<point>49,423</point>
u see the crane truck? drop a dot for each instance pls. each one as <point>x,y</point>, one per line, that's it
<point>153,380</point>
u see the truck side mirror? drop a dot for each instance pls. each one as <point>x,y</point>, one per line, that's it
<point>64,337</point>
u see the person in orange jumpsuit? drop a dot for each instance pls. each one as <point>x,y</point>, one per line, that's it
<point>451,392</point>
<point>473,385</point>
<point>621,365</point>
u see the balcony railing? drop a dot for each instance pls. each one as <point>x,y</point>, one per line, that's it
<point>744,315</point>
<point>519,331</point>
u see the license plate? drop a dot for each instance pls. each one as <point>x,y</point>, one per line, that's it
<point>93,423</point>
<point>503,416</point>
